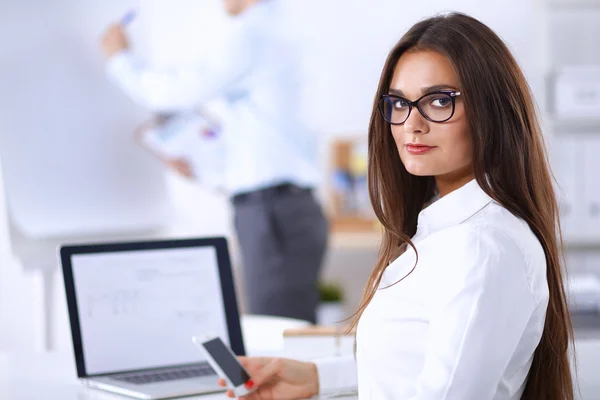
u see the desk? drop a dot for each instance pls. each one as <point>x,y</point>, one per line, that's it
<point>51,376</point>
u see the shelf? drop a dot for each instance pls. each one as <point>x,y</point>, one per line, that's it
<point>586,326</point>
<point>573,125</point>
<point>573,3</point>
<point>352,224</point>
<point>370,240</point>
<point>355,240</point>
<point>582,243</point>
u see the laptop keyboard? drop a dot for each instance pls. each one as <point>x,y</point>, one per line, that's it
<point>141,378</point>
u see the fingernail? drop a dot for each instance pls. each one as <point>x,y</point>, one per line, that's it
<point>250,384</point>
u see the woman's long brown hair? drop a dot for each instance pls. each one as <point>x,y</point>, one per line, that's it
<point>510,165</point>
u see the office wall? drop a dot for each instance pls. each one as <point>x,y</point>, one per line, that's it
<point>348,41</point>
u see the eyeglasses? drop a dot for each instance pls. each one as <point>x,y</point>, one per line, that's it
<point>435,107</point>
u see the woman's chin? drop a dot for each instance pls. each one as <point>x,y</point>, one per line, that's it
<point>419,170</point>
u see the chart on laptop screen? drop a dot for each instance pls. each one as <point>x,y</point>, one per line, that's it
<point>139,309</point>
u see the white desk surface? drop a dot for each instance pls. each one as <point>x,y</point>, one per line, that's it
<point>51,376</point>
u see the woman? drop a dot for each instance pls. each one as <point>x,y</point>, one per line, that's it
<point>474,306</point>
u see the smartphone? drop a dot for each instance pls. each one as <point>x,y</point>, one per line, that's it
<point>225,363</point>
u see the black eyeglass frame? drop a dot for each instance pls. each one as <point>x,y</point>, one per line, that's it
<point>453,94</point>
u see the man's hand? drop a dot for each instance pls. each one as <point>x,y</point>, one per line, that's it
<point>114,40</point>
<point>182,166</point>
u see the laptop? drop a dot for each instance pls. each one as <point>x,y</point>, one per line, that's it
<point>133,310</point>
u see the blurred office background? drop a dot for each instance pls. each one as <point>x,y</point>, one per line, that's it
<point>70,170</point>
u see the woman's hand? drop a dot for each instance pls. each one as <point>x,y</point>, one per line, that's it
<point>279,378</point>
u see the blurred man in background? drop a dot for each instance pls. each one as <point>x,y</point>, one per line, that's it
<point>272,162</point>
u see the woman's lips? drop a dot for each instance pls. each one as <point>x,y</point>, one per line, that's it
<point>418,148</point>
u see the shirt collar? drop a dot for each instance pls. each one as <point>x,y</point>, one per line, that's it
<point>453,208</point>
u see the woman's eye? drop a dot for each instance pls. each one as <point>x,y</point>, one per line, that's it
<point>441,102</point>
<point>400,104</point>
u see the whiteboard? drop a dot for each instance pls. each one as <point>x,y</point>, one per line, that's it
<point>68,157</point>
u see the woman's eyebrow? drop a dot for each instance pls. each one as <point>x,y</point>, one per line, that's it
<point>396,92</point>
<point>437,88</point>
<point>424,90</point>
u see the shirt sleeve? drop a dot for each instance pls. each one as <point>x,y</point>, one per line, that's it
<point>169,90</point>
<point>476,328</point>
<point>336,373</point>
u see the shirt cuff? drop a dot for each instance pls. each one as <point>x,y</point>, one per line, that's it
<point>120,64</point>
<point>336,373</point>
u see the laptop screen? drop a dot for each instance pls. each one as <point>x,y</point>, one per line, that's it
<point>139,309</point>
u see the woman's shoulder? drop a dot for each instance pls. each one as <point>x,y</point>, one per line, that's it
<point>496,239</point>
<point>498,223</point>
<point>495,221</point>
<point>480,238</point>
<point>493,229</point>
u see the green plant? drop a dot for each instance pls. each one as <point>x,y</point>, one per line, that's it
<point>330,292</point>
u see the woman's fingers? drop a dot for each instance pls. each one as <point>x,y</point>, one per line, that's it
<point>254,364</point>
<point>271,369</point>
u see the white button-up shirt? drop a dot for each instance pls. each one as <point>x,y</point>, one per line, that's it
<point>256,70</point>
<point>465,323</point>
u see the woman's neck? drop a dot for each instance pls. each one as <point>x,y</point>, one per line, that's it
<point>454,180</point>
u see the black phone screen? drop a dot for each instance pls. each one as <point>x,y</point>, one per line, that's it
<point>228,363</point>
